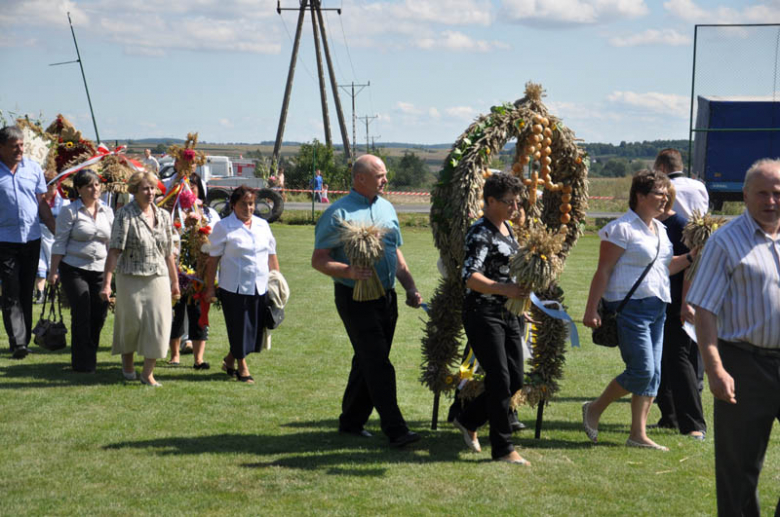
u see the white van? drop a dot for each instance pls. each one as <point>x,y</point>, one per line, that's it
<point>215,167</point>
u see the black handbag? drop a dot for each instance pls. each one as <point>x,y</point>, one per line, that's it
<point>50,333</point>
<point>607,333</point>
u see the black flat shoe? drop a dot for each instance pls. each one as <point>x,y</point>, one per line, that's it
<point>245,378</point>
<point>404,440</point>
<point>202,366</point>
<point>228,370</point>
<point>20,352</point>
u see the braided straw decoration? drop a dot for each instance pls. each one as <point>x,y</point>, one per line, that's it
<point>456,204</point>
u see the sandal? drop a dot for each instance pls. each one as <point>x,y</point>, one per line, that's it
<point>245,378</point>
<point>228,370</point>
<point>203,366</point>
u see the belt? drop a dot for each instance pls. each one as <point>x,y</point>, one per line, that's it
<point>753,349</point>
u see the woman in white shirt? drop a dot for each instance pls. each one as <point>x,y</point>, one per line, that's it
<point>628,245</point>
<point>245,250</point>
<point>78,255</point>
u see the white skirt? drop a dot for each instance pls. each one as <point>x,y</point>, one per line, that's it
<point>142,319</point>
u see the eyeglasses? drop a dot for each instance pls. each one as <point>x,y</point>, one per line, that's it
<point>510,202</point>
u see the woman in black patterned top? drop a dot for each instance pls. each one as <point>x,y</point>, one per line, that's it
<point>493,332</point>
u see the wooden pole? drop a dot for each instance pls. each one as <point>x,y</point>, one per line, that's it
<point>539,417</point>
<point>435,417</point>
<point>334,84</point>
<point>321,76</point>
<point>288,88</point>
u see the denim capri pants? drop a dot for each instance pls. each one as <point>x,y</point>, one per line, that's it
<point>641,340</point>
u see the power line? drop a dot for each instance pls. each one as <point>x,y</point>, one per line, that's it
<point>347,47</point>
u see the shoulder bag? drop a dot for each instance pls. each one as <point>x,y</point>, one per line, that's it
<point>50,333</point>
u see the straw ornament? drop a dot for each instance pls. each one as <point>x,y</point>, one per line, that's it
<point>554,171</point>
<point>695,234</point>
<point>364,248</point>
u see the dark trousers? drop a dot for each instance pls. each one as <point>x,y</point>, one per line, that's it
<point>371,384</point>
<point>742,430</point>
<point>18,267</point>
<point>87,314</point>
<point>495,335</point>
<point>679,398</point>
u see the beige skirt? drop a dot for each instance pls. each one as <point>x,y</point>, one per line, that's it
<point>142,319</point>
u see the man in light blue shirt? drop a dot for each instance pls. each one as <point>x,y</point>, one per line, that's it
<point>369,324</point>
<point>22,206</point>
<point>317,185</point>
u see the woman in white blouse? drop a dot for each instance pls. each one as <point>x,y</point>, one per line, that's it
<point>78,256</point>
<point>245,250</point>
<point>628,245</point>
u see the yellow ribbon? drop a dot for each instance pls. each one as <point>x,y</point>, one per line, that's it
<point>468,366</point>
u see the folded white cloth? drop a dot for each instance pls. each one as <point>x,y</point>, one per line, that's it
<point>278,294</point>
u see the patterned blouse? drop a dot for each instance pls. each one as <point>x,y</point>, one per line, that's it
<point>144,248</point>
<point>487,252</point>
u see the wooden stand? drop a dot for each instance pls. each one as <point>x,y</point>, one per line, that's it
<point>539,418</point>
<point>435,417</point>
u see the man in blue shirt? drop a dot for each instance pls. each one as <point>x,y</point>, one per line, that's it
<point>317,185</point>
<point>370,324</point>
<point>21,204</point>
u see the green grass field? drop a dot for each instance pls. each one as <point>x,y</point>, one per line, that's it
<point>203,444</point>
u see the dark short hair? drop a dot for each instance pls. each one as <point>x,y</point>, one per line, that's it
<point>668,160</point>
<point>195,178</point>
<point>240,192</point>
<point>10,133</point>
<point>84,177</point>
<point>645,181</point>
<point>498,185</point>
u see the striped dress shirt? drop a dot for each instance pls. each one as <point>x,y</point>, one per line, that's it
<point>738,280</point>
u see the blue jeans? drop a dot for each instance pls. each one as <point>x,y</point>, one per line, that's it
<point>641,341</point>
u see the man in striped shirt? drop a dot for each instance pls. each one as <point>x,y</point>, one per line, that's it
<point>736,293</point>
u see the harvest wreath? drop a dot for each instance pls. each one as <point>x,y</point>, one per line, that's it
<point>547,159</point>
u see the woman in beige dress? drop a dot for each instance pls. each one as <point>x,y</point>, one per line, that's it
<point>146,278</point>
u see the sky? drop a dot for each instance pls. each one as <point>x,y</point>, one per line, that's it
<point>613,70</point>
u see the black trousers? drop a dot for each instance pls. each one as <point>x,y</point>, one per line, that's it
<point>371,384</point>
<point>87,314</point>
<point>495,336</point>
<point>18,267</point>
<point>679,398</point>
<point>742,430</point>
<point>187,311</point>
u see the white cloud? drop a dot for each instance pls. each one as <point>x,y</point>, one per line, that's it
<point>434,113</point>
<point>651,37</point>
<point>689,10</point>
<point>461,112</point>
<point>459,42</point>
<point>224,122</point>
<point>556,13</point>
<point>407,108</point>
<point>665,103</point>
<point>151,28</point>
<point>446,12</point>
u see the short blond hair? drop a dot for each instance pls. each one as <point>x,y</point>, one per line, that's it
<point>136,179</point>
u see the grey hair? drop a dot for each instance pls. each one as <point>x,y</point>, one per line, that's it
<point>10,133</point>
<point>757,167</point>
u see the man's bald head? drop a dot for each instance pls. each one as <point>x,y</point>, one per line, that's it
<point>365,164</point>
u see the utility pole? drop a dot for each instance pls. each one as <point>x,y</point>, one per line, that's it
<point>318,27</point>
<point>368,119</point>
<point>373,142</point>
<point>83,76</point>
<point>354,94</point>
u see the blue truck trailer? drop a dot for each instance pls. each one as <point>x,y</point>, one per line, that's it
<point>730,134</point>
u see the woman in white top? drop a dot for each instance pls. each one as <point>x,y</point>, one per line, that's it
<point>628,245</point>
<point>79,255</point>
<point>245,250</point>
